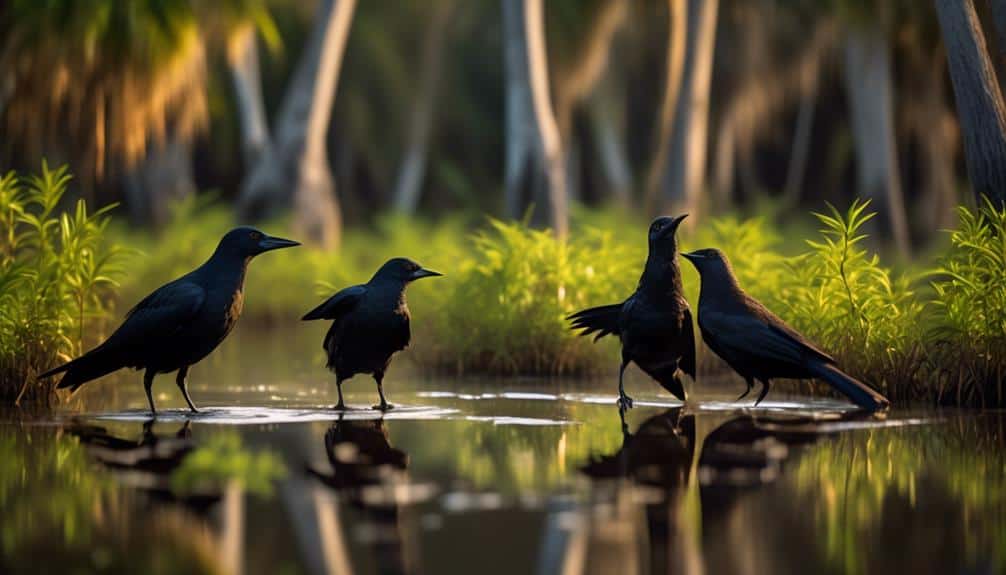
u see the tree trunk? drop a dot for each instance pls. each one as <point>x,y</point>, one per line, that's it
<point>242,57</point>
<point>869,86</point>
<point>800,151</point>
<point>687,167</point>
<point>297,161</point>
<point>979,100</point>
<point>677,34</point>
<point>606,116</point>
<point>533,141</point>
<point>519,167</point>
<point>161,180</point>
<point>413,170</point>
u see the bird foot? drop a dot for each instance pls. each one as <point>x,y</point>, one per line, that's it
<point>624,402</point>
<point>384,406</point>
<point>340,407</point>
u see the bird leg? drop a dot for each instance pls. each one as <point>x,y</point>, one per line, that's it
<point>340,406</point>
<point>384,406</point>
<point>624,401</point>
<point>180,380</point>
<point>148,382</point>
<point>765,385</point>
<point>750,382</point>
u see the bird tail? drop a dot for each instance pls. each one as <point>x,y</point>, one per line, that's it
<point>667,377</point>
<point>92,365</point>
<point>861,394</point>
<point>603,320</point>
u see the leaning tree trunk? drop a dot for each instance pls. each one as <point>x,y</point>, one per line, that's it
<point>413,170</point>
<point>532,134</point>
<point>871,108</point>
<point>295,168</point>
<point>677,34</point>
<point>979,99</point>
<point>689,139</point>
<point>243,64</point>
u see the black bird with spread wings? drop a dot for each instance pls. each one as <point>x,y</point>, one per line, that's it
<point>181,322</point>
<point>370,323</point>
<point>654,324</point>
<point>756,343</point>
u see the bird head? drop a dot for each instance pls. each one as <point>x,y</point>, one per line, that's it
<point>709,260</point>
<point>249,242</point>
<point>404,270</point>
<point>662,234</point>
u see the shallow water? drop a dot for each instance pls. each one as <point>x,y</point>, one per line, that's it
<point>490,476</point>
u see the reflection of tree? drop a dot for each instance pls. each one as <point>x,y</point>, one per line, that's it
<point>370,473</point>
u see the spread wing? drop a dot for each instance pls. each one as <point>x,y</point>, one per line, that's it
<point>687,361</point>
<point>603,320</point>
<point>338,305</point>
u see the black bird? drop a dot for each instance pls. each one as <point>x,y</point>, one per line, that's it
<point>756,343</point>
<point>654,324</point>
<point>371,323</point>
<point>179,323</point>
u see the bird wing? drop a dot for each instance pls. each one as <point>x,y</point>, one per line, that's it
<point>777,324</point>
<point>603,320</point>
<point>162,313</point>
<point>338,305</point>
<point>687,361</point>
<point>751,338</point>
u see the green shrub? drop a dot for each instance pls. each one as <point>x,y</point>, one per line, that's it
<point>55,278</point>
<point>968,343</point>
<point>841,297</point>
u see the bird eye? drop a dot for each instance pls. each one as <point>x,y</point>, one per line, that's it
<point>255,236</point>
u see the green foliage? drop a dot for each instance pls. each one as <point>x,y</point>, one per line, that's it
<point>55,278</point>
<point>845,300</point>
<point>970,291</point>
<point>224,459</point>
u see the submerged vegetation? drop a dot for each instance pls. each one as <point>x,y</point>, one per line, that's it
<point>55,278</point>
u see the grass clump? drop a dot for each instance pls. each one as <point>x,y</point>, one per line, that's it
<point>56,275</point>
<point>968,343</point>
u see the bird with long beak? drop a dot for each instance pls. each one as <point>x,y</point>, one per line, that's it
<point>756,343</point>
<point>370,323</point>
<point>179,323</point>
<point>654,324</point>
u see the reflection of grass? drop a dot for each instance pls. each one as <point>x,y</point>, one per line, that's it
<point>858,489</point>
<point>223,459</point>
<point>60,515</point>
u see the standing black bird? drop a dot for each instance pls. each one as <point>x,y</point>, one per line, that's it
<point>654,324</point>
<point>759,345</point>
<point>371,323</point>
<point>181,322</point>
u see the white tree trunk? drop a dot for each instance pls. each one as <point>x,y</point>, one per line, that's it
<point>687,168</point>
<point>244,69</point>
<point>519,168</point>
<point>871,108</point>
<point>607,117</point>
<point>298,160</point>
<point>413,170</point>
<point>677,36</point>
<point>549,144</point>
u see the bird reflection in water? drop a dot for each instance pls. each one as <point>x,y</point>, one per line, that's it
<point>652,466</point>
<point>371,475</point>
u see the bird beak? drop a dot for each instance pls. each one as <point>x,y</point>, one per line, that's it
<point>692,257</point>
<point>673,226</point>
<point>269,243</point>
<point>424,273</point>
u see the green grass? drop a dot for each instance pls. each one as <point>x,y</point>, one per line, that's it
<point>932,336</point>
<point>56,275</point>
